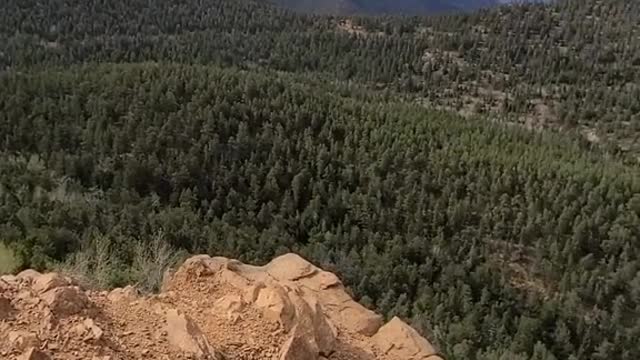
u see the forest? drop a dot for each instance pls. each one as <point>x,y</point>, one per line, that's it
<point>571,66</point>
<point>262,131</point>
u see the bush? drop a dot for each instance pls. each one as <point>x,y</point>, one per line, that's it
<point>97,266</point>
<point>151,260</point>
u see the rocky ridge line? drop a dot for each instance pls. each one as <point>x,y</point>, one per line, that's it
<point>210,308</point>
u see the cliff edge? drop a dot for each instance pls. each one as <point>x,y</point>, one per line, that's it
<point>210,308</point>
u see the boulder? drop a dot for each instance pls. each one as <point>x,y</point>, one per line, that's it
<point>126,294</point>
<point>340,308</point>
<point>33,354</point>
<point>290,267</point>
<point>310,331</point>
<point>28,275</point>
<point>351,315</point>
<point>65,301</point>
<point>202,265</point>
<point>275,305</point>
<point>400,341</point>
<point>48,281</point>
<point>185,335</point>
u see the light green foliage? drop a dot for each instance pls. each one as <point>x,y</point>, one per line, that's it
<point>8,260</point>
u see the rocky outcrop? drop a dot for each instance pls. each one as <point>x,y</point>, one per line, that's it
<point>46,282</point>
<point>210,308</point>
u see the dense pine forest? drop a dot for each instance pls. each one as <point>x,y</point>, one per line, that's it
<point>373,146</point>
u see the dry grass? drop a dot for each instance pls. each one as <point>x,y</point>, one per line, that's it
<point>8,260</point>
<point>151,261</point>
<point>96,266</point>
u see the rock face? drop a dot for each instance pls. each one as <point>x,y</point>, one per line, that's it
<point>185,335</point>
<point>211,308</point>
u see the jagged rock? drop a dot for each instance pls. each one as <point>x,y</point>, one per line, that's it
<point>310,319</point>
<point>33,354</point>
<point>298,347</point>
<point>48,281</point>
<point>128,293</point>
<point>185,335</point>
<point>8,279</point>
<point>22,340</point>
<point>401,341</point>
<point>231,305</point>
<point>329,291</point>
<point>276,305</point>
<point>6,309</point>
<point>65,301</point>
<point>301,315</point>
<point>28,275</point>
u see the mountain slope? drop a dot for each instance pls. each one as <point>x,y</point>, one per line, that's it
<point>490,235</point>
<point>407,7</point>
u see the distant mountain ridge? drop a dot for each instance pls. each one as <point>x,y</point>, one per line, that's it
<point>371,7</point>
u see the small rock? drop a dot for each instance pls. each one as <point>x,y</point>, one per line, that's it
<point>66,300</point>
<point>49,281</point>
<point>88,330</point>
<point>22,340</point>
<point>33,354</point>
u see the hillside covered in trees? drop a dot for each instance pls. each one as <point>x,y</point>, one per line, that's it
<point>572,66</point>
<point>385,7</point>
<point>238,129</point>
